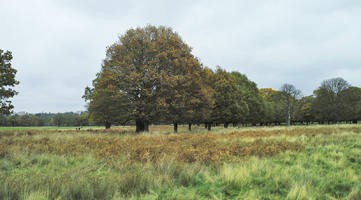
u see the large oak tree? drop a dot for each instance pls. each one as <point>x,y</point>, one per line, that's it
<point>327,105</point>
<point>229,102</point>
<point>253,98</point>
<point>152,75</point>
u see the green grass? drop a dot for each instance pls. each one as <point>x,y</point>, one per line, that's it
<point>328,168</point>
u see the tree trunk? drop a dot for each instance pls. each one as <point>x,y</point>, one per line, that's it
<point>107,125</point>
<point>209,126</point>
<point>190,126</point>
<point>354,121</point>
<point>225,125</point>
<point>289,117</point>
<point>139,125</point>
<point>146,126</point>
<point>175,127</point>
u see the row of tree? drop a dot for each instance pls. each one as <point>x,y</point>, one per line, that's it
<point>334,101</point>
<point>150,76</point>
<point>45,119</point>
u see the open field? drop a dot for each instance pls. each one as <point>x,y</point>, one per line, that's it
<point>25,128</point>
<point>316,162</point>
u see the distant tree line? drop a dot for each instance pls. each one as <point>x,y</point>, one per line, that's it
<point>150,76</point>
<point>45,119</point>
<point>334,101</point>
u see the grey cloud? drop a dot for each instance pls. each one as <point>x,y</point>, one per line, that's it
<point>58,46</point>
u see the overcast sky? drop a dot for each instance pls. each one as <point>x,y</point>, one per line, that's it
<point>58,46</point>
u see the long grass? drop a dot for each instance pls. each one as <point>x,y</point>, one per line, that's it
<point>26,128</point>
<point>319,162</point>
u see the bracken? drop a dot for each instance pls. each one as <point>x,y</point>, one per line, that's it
<point>209,148</point>
<point>205,148</point>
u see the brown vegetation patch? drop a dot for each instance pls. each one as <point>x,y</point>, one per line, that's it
<point>241,132</point>
<point>308,131</point>
<point>206,148</point>
<point>115,131</point>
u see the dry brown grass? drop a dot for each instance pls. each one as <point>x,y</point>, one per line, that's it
<point>295,131</point>
<point>206,148</point>
<point>237,132</point>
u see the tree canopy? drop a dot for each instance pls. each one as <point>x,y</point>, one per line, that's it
<point>7,82</point>
<point>151,76</point>
<point>152,73</point>
<point>230,105</point>
<point>252,97</point>
<point>290,94</point>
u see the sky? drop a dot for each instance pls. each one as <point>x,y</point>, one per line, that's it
<point>58,46</point>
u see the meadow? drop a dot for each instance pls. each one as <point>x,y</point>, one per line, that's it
<point>26,128</point>
<point>300,162</point>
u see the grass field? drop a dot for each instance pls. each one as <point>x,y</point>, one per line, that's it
<point>317,162</point>
<point>25,128</point>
